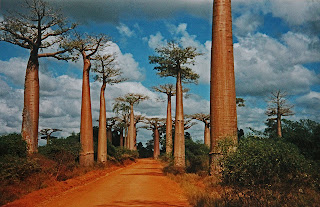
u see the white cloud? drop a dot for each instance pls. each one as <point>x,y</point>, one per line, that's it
<point>125,30</point>
<point>156,40</point>
<point>247,23</point>
<point>263,64</point>
<point>14,70</point>
<point>295,12</point>
<point>126,63</point>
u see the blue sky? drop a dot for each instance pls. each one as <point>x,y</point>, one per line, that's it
<point>276,46</point>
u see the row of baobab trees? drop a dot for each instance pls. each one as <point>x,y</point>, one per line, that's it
<point>41,27</point>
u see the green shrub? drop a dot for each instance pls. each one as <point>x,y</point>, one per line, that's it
<point>13,144</point>
<point>62,150</point>
<point>197,156</point>
<point>265,162</point>
<point>268,172</point>
<point>120,154</point>
<point>14,169</point>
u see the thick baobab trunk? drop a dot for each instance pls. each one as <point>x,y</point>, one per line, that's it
<point>126,142</point>
<point>30,114</point>
<point>222,93</point>
<point>109,133</point>
<point>131,130</point>
<point>169,128</point>
<point>279,133</point>
<point>135,136</point>
<point>121,137</point>
<point>86,130</point>
<point>156,148</point>
<point>207,134</point>
<point>102,136</point>
<point>179,148</point>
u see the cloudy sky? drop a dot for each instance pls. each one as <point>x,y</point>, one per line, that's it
<point>276,46</point>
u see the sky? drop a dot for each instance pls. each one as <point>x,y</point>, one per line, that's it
<point>276,47</point>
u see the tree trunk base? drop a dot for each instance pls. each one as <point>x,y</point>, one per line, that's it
<point>86,160</point>
<point>215,168</point>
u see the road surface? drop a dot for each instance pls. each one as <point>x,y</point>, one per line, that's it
<point>140,184</point>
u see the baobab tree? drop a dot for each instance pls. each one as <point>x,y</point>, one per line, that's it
<point>86,46</point>
<point>131,99</point>
<point>47,133</point>
<point>173,60</point>
<point>122,110</point>
<point>137,119</point>
<point>223,114</point>
<point>107,73</point>
<point>154,124</point>
<point>205,118</point>
<point>278,107</point>
<point>40,27</point>
<point>169,90</point>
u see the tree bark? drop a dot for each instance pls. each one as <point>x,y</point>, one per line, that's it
<point>86,130</point>
<point>30,114</point>
<point>131,129</point>
<point>222,93</point>
<point>121,137</point>
<point>135,136</point>
<point>207,134</point>
<point>156,148</point>
<point>102,136</point>
<point>179,148</point>
<point>169,128</point>
<point>279,132</point>
<point>109,134</point>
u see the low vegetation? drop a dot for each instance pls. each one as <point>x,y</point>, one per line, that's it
<point>264,170</point>
<point>58,161</point>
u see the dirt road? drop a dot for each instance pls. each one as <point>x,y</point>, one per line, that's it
<point>140,184</point>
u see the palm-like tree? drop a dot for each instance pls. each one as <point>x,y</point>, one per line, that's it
<point>205,118</point>
<point>173,60</point>
<point>278,107</point>
<point>154,124</point>
<point>130,100</point>
<point>87,47</point>
<point>34,30</point>
<point>223,114</point>
<point>107,73</point>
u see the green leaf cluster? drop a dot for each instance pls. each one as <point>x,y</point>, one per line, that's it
<point>173,59</point>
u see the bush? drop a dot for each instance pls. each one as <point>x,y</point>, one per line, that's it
<point>62,150</point>
<point>197,156</point>
<point>265,162</point>
<point>14,169</point>
<point>268,172</point>
<point>13,144</point>
<point>120,154</point>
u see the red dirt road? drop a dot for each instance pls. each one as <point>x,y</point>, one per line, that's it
<point>140,184</point>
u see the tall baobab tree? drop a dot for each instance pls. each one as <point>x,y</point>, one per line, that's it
<point>47,133</point>
<point>137,119</point>
<point>122,110</point>
<point>39,28</point>
<point>86,46</point>
<point>278,107</point>
<point>169,90</point>
<point>205,118</point>
<point>173,60</point>
<point>154,124</point>
<point>107,73</point>
<point>223,123</point>
<point>131,99</point>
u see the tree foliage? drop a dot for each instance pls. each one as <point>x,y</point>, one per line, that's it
<point>106,68</point>
<point>174,59</point>
<point>39,27</point>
